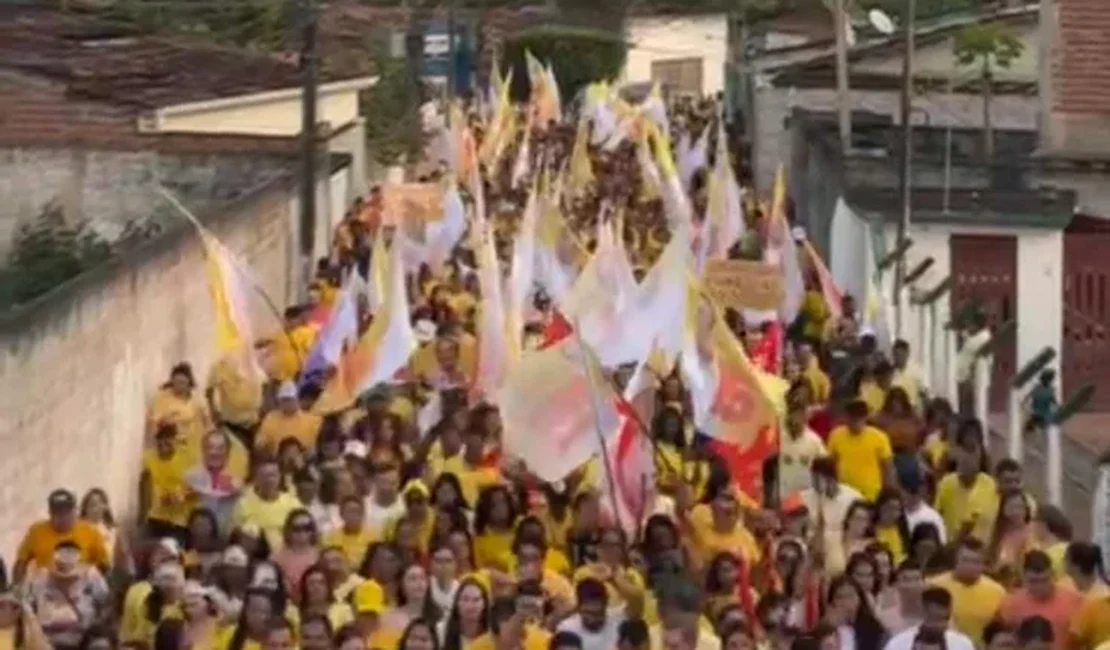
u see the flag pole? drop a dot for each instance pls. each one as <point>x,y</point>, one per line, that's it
<point>583,351</point>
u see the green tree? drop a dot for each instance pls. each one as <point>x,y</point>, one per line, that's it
<point>987,47</point>
<point>254,24</point>
<point>394,129</point>
<point>578,56</point>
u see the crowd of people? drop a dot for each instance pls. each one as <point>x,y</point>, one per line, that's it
<point>269,520</point>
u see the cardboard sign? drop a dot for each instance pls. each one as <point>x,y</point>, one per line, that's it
<point>411,203</point>
<point>743,284</point>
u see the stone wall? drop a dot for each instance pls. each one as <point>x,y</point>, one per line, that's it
<point>79,365</point>
<point>112,188</point>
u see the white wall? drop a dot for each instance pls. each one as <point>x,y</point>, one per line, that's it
<point>663,38</point>
<point>277,117</point>
<point>1040,303</point>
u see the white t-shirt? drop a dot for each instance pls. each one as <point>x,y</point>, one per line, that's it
<point>835,509</point>
<point>603,639</point>
<point>925,514</point>
<point>795,457</point>
<point>378,516</point>
<point>904,640</point>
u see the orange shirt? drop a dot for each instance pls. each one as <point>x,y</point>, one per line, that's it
<point>1059,610</point>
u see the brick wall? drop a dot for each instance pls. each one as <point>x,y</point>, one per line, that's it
<point>78,367</point>
<point>1079,76</point>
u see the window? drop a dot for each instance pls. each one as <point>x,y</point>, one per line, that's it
<point>679,75</point>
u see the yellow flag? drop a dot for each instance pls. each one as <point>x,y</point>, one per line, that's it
<point>581,169</point>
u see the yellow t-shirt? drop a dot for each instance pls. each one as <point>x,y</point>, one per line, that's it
<point>471,479</point>
<point>353,544</point>
<point>278,426</point>
<point>973,606</point>
<point>1090,625</point>
<point>237,397</point>
<point>267,515</point>
<point>225,635</point>
<point>860,458</point>
<point>709,541</point>
<point>892,539</point>
<point>872,395</point>
<point>976,504</point>
<point>384,638</point>
<point>38,544</point>
<point>818,381</point>
<point>134,626</point>
<point>615,597</point>
<point>493,549</point>
<point>167,481</point>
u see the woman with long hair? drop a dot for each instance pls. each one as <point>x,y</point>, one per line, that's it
<point>318,599</point>
<point>419,635</point>
<point>891,528</point>
<point>530,528</point>
<point>383,565</point>
<point>414,600</point>
<point>495,517</point>
<point>858,532</point>
<point>203,546</point>
<point>249,632</point>
<point>201,615</point>
<point>469,616</point>
<point>96,510</point>
<point>848,610</point>
<point>300,549</point>
<point>927,550</point>
<point>1011,537</point>
<point>444,577</point>
<point>728,582</point>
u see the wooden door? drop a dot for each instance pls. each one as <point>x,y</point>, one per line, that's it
<point>1085,358</point>
<point>984,272</point>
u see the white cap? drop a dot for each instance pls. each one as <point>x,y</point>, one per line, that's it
<point>287,390</point>
<point>424,330</point>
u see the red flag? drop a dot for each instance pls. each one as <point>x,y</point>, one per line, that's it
<point>557,329</point>
<point>745,464</point>
<point>767,354</point>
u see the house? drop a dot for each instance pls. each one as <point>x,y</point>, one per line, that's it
<point>804,75</point>
<point>88,101</point>
<point>686,53</point>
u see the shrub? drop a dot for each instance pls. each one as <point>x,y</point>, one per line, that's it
<point>579,57</point>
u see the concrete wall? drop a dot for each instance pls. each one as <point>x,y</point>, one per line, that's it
<point>280,116</point>
<point>79,365</point>
<point>666,38</point>
<point>111,188</point>
<point>773,105</point>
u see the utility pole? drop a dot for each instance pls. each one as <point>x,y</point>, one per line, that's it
<point>843,92</point>
<point>906,180</point>
<point>451,54</point>
<point>309,83</point>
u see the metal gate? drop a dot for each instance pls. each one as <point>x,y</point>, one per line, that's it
<point>984,272</point>
<point>1085,358</point>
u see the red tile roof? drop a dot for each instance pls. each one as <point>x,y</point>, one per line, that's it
<point>99,61</point>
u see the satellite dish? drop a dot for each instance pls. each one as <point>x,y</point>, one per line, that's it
<point>880,21</point>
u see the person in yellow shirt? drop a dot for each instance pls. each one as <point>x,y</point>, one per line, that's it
<point>472,469</point>
<point>495,519</point>
<point>234,399</point>
<point>264,504</point>
<point>967,499</point>
<point>624,583</point>
<point>255,620</point>
<point>976,599</point>
<point>863,455</point>
<point>288,420</point>
<point>176,403</point>
<point>163,492</point>
<point>353,536</point>
<point>63,525</point>
<point>717,527</point>
<point>369,605</point>
<point>811,370</point>
<point>509,631</point>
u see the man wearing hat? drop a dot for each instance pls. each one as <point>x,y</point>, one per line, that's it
<point>288,420</point>
<point>43,537</point>
<point>369,601</point>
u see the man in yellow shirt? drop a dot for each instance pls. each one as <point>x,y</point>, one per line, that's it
<point>264,504</point>
<point>163,492</point>
<point>811,370</point>
<point>353,536</point>
<point>967,499</point>
<point>976,599</point>
<point>43,537</point>
<point>288,420</point>
<point>863,455</point>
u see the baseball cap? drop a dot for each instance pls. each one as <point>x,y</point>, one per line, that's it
<point>369,598</point>
<point>61,501</point>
